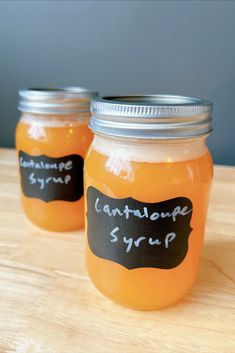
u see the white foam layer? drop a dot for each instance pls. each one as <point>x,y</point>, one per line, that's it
<point>54,121</point>
<point>150,152</point>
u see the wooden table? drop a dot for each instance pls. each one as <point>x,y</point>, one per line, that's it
<point>48,304</point>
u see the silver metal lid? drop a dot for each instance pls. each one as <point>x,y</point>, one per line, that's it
<point>65,100</point>
<point>151,116</point>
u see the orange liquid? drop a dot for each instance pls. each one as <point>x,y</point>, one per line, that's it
<point>54,141</point>
<point>150,288</point>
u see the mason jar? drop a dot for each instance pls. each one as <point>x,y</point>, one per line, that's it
<point>148,175</point>
<point>52,138</point>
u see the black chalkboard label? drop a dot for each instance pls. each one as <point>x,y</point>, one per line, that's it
<point>138,234</point>
<point>49,179</point>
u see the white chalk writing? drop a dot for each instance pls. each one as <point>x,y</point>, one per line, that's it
<point>42,182</point>
<point>130,242</point>
<point>144,213</point>
<point>61,166</point>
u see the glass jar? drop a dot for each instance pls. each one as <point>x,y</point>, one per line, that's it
<point>52,138</point>
<point>148,174</point>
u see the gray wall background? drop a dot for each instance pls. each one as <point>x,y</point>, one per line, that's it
<point>122,47</point>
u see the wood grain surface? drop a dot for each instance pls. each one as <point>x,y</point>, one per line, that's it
<point>48,304</point>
